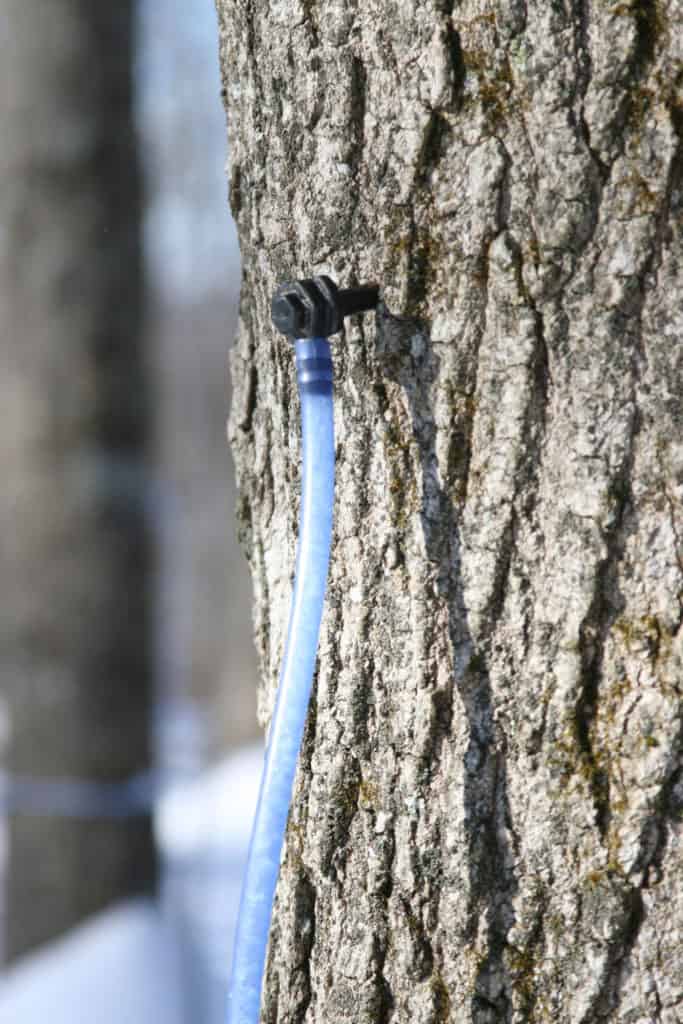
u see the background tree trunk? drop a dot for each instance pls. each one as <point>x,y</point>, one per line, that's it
<point>75,626</point>
<point>487,815</point>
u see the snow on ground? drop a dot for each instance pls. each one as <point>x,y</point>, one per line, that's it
<point>212,813</point>
<point>143,964</point>
<point>202,829</point>
<point>116,969</point>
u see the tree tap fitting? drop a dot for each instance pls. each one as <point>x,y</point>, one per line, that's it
<point>315,308</point>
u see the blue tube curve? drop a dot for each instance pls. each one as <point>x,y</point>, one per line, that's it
<point>314,374</point>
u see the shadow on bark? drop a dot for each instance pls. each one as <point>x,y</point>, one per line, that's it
<point>407,356</point>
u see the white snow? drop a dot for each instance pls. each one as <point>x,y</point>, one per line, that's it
<point>202,829</point>
<point>213,813</point>
<point>116,969</point>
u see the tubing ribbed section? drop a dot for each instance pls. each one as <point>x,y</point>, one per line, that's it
<point>314,373</point>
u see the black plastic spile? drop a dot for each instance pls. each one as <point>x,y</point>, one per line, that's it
<point>315,308</point>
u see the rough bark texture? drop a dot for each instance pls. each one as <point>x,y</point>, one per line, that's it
<point>74,624</point>
<point>488,807</point>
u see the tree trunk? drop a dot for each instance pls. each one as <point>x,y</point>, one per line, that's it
<point>74,626</point>
<point>486,824</point>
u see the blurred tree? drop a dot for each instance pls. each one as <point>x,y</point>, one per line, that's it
<point>486,825</point>
<point>75,551</point>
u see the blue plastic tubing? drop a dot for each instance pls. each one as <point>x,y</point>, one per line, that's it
<point>314,373</point>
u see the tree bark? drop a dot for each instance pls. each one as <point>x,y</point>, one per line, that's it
<point>486,824</point>
<point>75,624</point>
